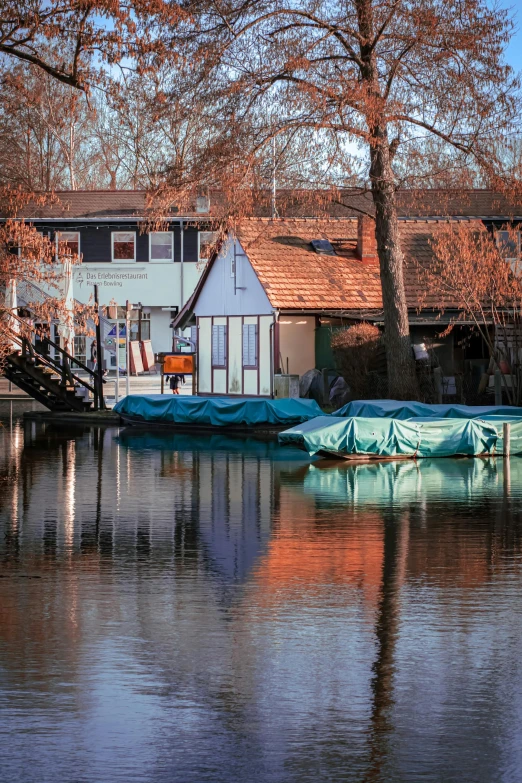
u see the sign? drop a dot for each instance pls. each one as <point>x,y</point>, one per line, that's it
<point>181,364</point>
<point>154,284</point>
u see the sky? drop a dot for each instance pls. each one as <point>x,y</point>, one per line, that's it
<point>514,51</point>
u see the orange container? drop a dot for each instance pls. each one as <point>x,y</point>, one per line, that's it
<point>179,364</point>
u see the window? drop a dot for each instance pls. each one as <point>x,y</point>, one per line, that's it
<point>80,348</point>
<point>249,345</point>
<point>68,243</point>
<point>206,239</point>
<point>161,247</point>
<point>194,336</point>
<point>123,246</point>
<point>219,346</point>
<point>509,245</point>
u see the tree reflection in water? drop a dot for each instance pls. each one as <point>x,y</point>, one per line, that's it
<point>285,621</point>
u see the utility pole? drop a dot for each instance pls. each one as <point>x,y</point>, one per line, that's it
<point>274,187</point>
<point>99,354</point>
<point>128,307</point>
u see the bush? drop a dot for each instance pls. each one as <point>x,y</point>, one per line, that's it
<point>357,350</point>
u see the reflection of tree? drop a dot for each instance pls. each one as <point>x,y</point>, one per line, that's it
<point>396,539</point>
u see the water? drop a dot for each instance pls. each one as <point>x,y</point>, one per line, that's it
<point>191,609</point>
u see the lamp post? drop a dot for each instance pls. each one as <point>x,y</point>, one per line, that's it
<point>128,307</point>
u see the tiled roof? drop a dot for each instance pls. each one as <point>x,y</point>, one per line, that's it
<point>294,276</point>
<point>290,203</point>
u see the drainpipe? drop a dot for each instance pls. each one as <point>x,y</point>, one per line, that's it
<point>182,248</point>
<point>271,330</point>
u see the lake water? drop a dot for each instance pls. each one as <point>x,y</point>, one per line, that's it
<point>190,609</point>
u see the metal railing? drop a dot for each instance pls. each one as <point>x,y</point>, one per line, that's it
<point>62,367</point>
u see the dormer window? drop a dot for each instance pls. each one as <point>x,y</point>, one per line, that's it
<point>202,204</point>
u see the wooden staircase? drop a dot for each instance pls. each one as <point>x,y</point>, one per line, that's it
<point>51,381</point>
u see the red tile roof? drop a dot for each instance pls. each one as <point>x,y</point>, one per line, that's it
<point>294,276</point>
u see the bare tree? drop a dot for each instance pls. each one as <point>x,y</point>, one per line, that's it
<point>378,74</point>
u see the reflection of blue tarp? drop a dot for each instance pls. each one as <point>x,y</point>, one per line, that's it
<point>386,437</point>
<point>399,483</point>
<point>394,409</point>
<point>143,440</point>
<point>216,411</point>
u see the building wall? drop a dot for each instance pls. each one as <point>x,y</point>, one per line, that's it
<point>296,344</point>
<point>234,379</point>
<point>156,284</point>
<point>226,293</point>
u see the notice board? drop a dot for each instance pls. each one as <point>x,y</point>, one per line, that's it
<point>179,363</point>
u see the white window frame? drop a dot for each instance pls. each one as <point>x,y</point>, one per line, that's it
<point>161,260</point>
<point>57,239</point>
<point>214,233</point>
<point>122,260</point>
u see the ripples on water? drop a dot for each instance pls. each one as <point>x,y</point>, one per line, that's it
<point>187,609</point>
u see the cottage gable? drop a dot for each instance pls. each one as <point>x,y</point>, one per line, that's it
<point>232,287</point>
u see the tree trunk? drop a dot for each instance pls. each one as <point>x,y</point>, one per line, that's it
<point>402,382</point>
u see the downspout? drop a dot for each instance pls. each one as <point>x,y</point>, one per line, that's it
<point>272,353</point>
<point>181,286</point>
<point>181,254</point>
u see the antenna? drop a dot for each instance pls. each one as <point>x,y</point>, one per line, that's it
<point>274,187</point>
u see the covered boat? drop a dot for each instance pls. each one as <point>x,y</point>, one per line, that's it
<point>204,413</point>
<point>397,409</point>
<point>387,438</point>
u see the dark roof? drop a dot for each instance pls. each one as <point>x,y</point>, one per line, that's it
<point>290,203</point>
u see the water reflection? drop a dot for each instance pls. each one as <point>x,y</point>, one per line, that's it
<point>178,608</point>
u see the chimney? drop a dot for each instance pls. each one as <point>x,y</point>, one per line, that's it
<point>366,241</point>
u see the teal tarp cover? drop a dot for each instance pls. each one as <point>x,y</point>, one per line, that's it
<point>217,411</point>
<point>395,409</point>
<point>387,437</point>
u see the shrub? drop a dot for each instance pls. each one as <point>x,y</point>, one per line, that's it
<point>356,350</point>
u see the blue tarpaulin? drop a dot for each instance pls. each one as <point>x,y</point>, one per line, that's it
<point>387,437</point>
<point>395,409</point>
<point>216,411</point>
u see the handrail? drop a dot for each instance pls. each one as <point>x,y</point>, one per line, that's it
<point>48,340</point>
<point>64,367</point>
<point>26,345</point>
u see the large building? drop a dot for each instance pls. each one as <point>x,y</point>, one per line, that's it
<point>157,270</point>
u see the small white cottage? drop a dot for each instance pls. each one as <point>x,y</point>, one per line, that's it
<point>267,293</point>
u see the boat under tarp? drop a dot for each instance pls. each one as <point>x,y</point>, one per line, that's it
<point>397,409</point>
<point>387,438</point>
<point>230,413</point>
